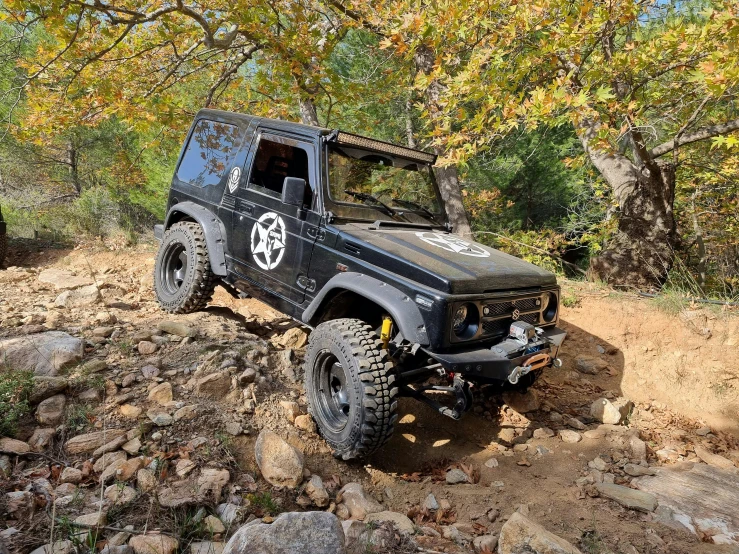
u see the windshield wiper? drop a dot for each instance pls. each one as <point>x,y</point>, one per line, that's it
<point>364,197</point>
<point>414,206</point>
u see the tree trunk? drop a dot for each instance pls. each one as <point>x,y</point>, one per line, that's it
<point>640,254</point>
<point>308,113</point>
<point>446,177</point>
<point>72,162</point>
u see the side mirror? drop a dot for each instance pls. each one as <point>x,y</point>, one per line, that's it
<point>293,191</point>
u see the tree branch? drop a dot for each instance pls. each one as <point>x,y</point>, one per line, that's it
<point>697,135</point>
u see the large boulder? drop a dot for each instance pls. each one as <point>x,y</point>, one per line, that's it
<point>43,353</point>
<point>520,534</point>
<point>280,463</point>
<point>291,532</point>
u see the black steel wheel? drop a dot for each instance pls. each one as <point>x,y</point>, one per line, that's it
<point>183,281</point>
<point>350,385</point>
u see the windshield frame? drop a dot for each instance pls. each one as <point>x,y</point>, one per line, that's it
<point>366,211</point>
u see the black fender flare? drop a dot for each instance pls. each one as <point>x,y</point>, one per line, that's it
<point>213,228</point>
<point>401,307</point>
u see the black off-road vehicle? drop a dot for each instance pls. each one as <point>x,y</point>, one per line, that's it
<point>348,236</point>
<point>3,238</point>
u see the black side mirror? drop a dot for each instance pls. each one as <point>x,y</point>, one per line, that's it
<point>293,191</point>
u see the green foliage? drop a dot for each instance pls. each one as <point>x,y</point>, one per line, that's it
<point>263,502</point>
<point>15,388</point>
<point>79,417</point>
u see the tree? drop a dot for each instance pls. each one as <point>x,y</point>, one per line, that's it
<point>639,82</point>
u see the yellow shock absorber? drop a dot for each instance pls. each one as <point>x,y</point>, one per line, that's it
<point>387,325</point>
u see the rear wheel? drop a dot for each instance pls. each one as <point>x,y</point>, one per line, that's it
<point>183,281</point>
<point>350,385</point>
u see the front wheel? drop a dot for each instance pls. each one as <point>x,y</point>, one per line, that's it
<point>183,281</point>
<point>350,385</point>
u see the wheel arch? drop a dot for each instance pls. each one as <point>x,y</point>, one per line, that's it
<point>350,294</point>
<point>213,228</point>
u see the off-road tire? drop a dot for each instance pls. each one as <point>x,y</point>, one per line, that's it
<point>370,386</point>
<point>198,281</point>
<point>3,247</point>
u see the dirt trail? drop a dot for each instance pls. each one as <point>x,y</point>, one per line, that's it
<point>679,370</point>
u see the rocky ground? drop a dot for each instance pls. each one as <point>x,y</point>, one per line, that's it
<point>155,434</point>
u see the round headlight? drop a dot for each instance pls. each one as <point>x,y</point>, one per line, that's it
<point>549,311</point>
<point>466,321</point>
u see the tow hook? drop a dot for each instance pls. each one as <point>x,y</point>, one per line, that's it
<point>537,361</point>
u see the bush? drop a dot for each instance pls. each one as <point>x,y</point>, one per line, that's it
<point>15,388</point>
<point>95,213</point>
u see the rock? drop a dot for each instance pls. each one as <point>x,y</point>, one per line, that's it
<point>216,385</point>
<point>522,402</point>
<point>110,446</point>
<point>63,279</point>
<point>280,463</point>
<point>486,543</point>
<point>230,514</point>
<point>51,410</point>
<point>45,387</point>
<point>160,419</point>
<point>638,471</point>
<point>118,494</point>
<point>129,468</point>
<point>712,459</point>
<point>177,328</point>
<point>703,431</point>
<point>630,498</point>
<point>290,533</point>
<point>206,547</point>
<point>294,338</point>
<point>212,481</point>
<point>150,371</point>
<point>594,434</point>
<point>154,544</point>
<point>589,365</point>
<point>233,428</point>
<point>609,412</point>
<point>576,423</point>
<point>317,492</point>
<point>569,436</point>
<point>306,423</point>
<point>455,476</point>
<point>146,480</point>
<point>132,446</point>
<point>71,475</point>
<point>41,438</point>
<point>492,463</point>
<point>401,522</point>
<point>342,512</point>
<point>186,413</point>
<point>103,332</point>
<point>179,493</point>
<point>106,459</point>
<point>93,366</point>
<point>430,503</point>
<point>19,503</point>
<point>42,353</point>
<point>213,525</point>
<point>146,348</point>
<point>79,298</point>
<point>117,549</point>
<point>111,470</point>
<point>519,534</point>
<point>130,411</point>
<point>183,467</point>
<point>89,442</point>
<point>543,433</point>
<point>638,448</point>
<point>249,375</point>
<point>161,394</point>
<point>96,519</point>
<point>6,467</point>
<point>291,409</point>
<point>352,495</point>
<point>58,547</point>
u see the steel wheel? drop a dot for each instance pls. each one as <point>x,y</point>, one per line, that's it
<point>333,394</point>
<point>174,269</point>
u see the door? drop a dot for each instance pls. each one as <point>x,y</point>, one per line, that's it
<point>272,242</point>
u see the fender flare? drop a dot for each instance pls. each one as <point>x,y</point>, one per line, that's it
<point>399,305</point>
<point>213,228</point>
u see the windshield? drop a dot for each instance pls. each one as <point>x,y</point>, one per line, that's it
<point>399,188</point>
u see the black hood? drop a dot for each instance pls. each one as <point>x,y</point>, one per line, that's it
<point>441,260</point>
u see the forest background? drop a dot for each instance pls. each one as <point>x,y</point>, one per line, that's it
<point>590,137</point>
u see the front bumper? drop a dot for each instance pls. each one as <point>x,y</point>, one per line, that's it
<point>483,364</point>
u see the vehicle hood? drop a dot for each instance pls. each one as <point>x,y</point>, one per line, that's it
<point>440,260</point>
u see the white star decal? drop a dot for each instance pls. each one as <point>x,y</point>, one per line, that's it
<point>268,240</point>
<point>450,243</point>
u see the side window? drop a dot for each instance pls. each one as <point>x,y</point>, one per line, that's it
<point>210,152</point>
<point>273,162</point>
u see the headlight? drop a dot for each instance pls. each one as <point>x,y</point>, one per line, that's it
<point>466,321</point>
<point>549,309</point>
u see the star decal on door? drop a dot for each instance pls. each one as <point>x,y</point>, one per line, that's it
<point>268,240</point>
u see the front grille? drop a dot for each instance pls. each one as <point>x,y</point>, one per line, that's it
<point>497,316</point>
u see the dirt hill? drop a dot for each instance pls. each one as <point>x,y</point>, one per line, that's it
<point>151,421</point>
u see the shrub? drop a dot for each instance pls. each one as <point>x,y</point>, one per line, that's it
<point>15,387</point>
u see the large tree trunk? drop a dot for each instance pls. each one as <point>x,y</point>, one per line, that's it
<point>308,113</point>
<point>641,252</point>
<point>447,177</point>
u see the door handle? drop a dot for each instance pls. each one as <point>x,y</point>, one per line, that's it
<point>245,207</point>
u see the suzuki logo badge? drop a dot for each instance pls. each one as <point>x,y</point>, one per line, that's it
<point>516,314</point>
